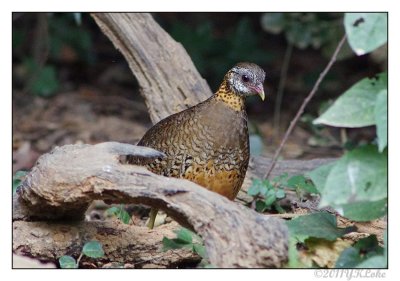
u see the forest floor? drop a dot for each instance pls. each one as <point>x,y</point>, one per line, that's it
<point>104,104</point>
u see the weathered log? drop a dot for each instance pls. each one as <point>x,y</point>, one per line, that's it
<point>168,80</point>
<point>128,245</point>
<point>234,236</point>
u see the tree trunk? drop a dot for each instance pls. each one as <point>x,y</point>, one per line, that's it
<point>168,80</point>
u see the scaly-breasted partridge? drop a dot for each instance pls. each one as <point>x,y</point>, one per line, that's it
<point>209,142</point>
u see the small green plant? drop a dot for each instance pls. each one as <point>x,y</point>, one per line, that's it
<point>120,213</point>
<point>17,179</point>
<point>189,240</point>
<point>213,54</point>
<point>267,193</point>
<point>92,249</point>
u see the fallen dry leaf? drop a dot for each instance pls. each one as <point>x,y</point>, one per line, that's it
<point>322,252</point>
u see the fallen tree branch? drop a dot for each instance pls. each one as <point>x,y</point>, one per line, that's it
<point>66,180</point>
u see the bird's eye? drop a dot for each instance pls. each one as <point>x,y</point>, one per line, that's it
<point>245,78</point>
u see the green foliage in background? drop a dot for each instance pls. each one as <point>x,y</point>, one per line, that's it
<point>213,54</point>
<point>91,249</point>
<point>303,30</point>
<point>356,184</point>
<point>44,81</point>
<point>58,37</point>
<point>66,31</point>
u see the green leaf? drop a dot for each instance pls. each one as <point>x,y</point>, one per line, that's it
<point>300,182</point>
<point>293,254</point>
<point>279,208</point>
<point>184,235</point>
<point>369,246</point>
<point>280,193</point>
<point>360,175</point>
<point>300,35</point>
<point>261,206</point>
<point>364,211</point>
<point>374,262</point>
<point>184,239</point>
<point>120,213</point>
<point>175,244</point>
<point>349,258</point>
<point>67,262</point>
<point>358,209</point>
<point>255,187</point>
<point>269,200</point>
<point>381,115</point>
<point>93,249</point>
<point>318,225</point>
<point>200,250</point>
<point>17,179</point>
<point>319,175</point>
<point>360,254</point>
<point>273,22</point>
<point>355,108</point>
<point>365,31</point>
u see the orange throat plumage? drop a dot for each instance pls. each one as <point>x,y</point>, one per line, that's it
<point>225,95</point>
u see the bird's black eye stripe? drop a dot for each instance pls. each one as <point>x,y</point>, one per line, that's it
<point>245,78</point>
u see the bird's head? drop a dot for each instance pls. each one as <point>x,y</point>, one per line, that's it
<point>246,79</point>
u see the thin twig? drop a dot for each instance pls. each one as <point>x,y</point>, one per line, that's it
<point>281,87</point>
<point>305,102</point>
<point>286,215</point>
